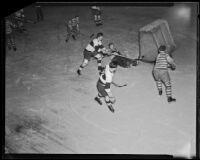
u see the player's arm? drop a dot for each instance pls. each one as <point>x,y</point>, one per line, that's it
<point>171,62</point>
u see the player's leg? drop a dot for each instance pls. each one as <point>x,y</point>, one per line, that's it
<point>86,59</point>
<point>101,92</point>
<point>99,22</point>
<point>156,77</point>
<point>73,32</point>
<point>99,58</point>
<point>12,40</point>
<point>109,104</point>
<point>83,65</point>
<point>68,34</point>
<point>168,87</point>
<point>8,41</point>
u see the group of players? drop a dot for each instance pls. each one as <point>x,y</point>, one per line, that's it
<point>96,50</point>
<point>15,23</point>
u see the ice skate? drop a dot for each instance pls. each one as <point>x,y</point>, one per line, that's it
<point>170,99</point>
<point>79,72</point>
<point>98,100</point>
<point>111,108</point>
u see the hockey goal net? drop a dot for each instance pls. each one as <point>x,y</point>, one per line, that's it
<point>152,36</point>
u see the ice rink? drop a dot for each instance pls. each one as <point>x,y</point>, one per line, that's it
<point>50,109</point>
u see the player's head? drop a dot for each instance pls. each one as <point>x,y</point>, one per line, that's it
<point>113,66</point>
<point>111,45</point>
<point>99,36</point>
<point>77,17</point>
<point>162,48</point>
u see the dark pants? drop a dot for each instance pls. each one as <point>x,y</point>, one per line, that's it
<point>71,32</point>
<point>101,89</point>
<point>39,14</point>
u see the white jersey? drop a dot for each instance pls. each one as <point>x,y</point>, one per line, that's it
<point>94,43</point>
<point>106,78</point>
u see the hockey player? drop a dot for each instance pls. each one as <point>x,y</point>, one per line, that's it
<point>161,74</point>
<point>104,84</point>
<point>39,12</point>
<point>96,11</point>
<point>72,28</point>
<point>94,49</point>
<point>10,35</point>
<point>19,18</point>
<point>122,59</point>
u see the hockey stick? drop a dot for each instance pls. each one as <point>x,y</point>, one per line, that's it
<point>117,85</point>
<point>92,35</point>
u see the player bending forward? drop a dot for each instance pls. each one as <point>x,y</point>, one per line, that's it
<point>104,83</point>
<point>94,49</point>
<point>161,74</point>
<point>72,28</point>
<point>121,59</point>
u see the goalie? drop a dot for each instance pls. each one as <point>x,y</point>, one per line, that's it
<point>161,74</point>
<point>122,60</point>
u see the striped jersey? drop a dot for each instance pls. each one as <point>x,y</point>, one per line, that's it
<point>106,78</point>
<point>94,45</point>
<point>163,60</point>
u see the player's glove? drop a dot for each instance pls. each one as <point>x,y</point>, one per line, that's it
<point>172,67</point>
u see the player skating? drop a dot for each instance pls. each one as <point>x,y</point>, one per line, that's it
<point>161,74</point>
<point>104,84</point>
<point>94,49</point>
<point>10,35</point>
<point>72,28</point>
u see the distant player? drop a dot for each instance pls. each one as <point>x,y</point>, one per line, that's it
<point>161,74</point>
<point>96,11</point>
<point>104,84</point>
<point>39,13</point>
<point>19,19</point>
<point>10,35</point>
<point>122,59</point>
<point>72,28</point>
<point>94,49</point>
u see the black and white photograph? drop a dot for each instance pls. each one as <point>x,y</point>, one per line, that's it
<point>102,78</point>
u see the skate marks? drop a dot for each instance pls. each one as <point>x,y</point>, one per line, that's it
<point>85,117</point>
<point>31,134</point>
